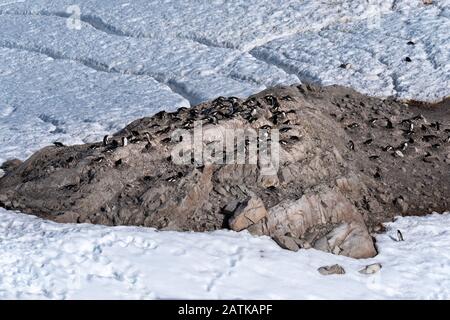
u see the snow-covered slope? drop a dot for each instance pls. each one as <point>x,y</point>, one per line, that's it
<point>45,260</point>
<point>377,56</point>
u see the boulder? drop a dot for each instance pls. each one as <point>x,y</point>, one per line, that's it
<point>287,243</point>
<point>329,270</point>
<point>248,213</point>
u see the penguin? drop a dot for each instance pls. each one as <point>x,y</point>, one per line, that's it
<point>437,125</point>
<point>219,100</point>
<point>212,119</point>
<point>389,124</point>
<point>373,121</point>
<point>99,159</point>
<point>377,174</point>
<point>345,66</point>
<point>408,59</point>
<point>58,144</point>
<point>399,236</point>
<point>105,140</point>
<point>147,136</point>
<point>368,141</point>
<point>351,145</point>
<point>403,146</point>
<point>272,101</point>
<point>233,99</point>
<point>124,141</point>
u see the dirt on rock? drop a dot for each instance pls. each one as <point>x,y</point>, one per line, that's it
<point>347,163</point>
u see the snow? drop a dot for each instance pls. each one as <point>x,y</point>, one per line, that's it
<point>130,59</point>
<point>45,260</point>
<point>376,55</point>
<point>45,100</point>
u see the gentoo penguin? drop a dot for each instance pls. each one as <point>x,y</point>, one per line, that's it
<point>399,235</point>
<point>345,66</point>
<point>404,146</point>
<point>147,136</point>
<point>351,145</point>
<point>124,141</point>
<point>105,140</point>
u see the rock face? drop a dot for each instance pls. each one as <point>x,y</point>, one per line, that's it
<point>338,170</point>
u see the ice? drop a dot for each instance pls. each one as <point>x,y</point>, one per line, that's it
<point>45,100</point>
<point>44,260</point>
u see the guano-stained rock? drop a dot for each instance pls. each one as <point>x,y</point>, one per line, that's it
<point>339,174</point>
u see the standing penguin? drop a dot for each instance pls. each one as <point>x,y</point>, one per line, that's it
<point>399,235</point>
<point>124,141</point>
<point>105,140</point>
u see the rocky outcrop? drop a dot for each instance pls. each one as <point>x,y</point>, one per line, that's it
<point>309,166</point>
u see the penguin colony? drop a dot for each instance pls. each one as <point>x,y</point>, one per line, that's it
<point>399,150</point>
